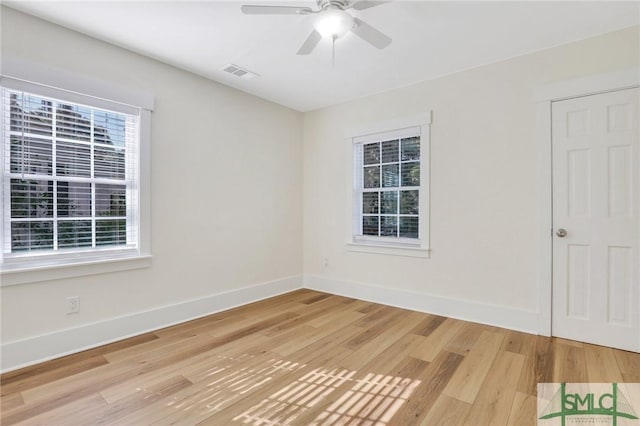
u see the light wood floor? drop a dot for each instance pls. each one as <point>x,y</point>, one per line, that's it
<point>309,358</point>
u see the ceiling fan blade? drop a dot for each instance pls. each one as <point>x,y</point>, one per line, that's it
<point>366,4</point>
<point>274,10</point>
<point>310,43</point>
<point>370,34</point>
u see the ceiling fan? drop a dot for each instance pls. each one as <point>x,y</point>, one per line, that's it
<point>332,21</point>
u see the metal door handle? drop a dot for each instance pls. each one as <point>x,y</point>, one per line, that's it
<point>561,233</point>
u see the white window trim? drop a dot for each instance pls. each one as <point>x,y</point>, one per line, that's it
<point>44,80</point>
<point>378,245</point>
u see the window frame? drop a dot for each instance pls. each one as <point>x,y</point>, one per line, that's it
<point>70,87</point>
<point>394,129</point>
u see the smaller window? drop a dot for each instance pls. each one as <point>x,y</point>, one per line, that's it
<point>389,190</point>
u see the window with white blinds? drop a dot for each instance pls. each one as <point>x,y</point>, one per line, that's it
<point>387,187</point>
<point>69,177</point>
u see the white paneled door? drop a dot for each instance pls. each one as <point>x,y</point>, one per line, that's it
<point>596,220</point>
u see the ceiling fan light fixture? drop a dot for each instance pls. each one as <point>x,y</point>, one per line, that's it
<point>333,23</point>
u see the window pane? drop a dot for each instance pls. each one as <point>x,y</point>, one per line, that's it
<point>74,199</point>
<point>31,156</point>
<point>409,202</point>
<point>370,225</point>
<point>111,232</point>
<point>389,202</point>
<point>390,152</point>
<point>73,122</point>
<point>390,176</point>
<point>31,235</point>
<point>109,162</point>
<point>31,198</point>
<point>30,114</point>
<point>409,227</point>
<point>111,200</point>
<point>389,226</point>
<point>371,153</point>
<point>74,233</point>
<point>109,128</point>
<point>370,202</point>
<point>411,174</point>
<point>73,159</point>
<point>411,149</point>
<point>371,177</point>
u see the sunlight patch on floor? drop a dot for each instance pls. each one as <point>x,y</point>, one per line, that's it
<point>372,400</point>
<point>285,405</point>
<point>225,383</point>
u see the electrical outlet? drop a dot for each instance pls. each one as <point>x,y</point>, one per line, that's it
<point>326,262</point>
<point>73,305</point>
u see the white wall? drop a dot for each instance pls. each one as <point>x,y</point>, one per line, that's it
<point>483,186</point>
<point>226,188</point>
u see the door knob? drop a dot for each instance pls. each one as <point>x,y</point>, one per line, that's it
<point>561,233</point>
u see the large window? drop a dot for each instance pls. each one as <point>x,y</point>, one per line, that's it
<point>389,191</point>
<point>75,175</point>
<point>69,176</point>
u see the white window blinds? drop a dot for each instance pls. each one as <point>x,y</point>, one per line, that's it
<point>69,176</point>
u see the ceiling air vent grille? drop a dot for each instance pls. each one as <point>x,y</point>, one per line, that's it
<point>239,71</point>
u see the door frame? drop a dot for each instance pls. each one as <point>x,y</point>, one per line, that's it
<point>544,96</point>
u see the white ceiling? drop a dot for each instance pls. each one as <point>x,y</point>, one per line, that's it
<point>430,39</point>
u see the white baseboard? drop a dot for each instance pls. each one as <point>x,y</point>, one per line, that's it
<point>500,316</point>
<point>22,353</point>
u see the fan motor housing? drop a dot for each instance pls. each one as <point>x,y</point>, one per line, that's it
<point>337,4</point>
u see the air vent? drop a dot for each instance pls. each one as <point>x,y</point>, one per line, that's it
<point>239,72</point>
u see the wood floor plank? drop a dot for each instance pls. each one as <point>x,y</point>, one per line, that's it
<point>446,411</point>
<point>74,413</point>
<point>428,325</point>
<point>569,364</point>
<point>28,373</point>
<point>345,316</point>
<point>432,383</point>
<point>400,318</point>
<point>517,342</point>
<point>320,350</point>
<point>466,383</point>
<point>10,401</point>
<point>433,344</point>
<point>630,378</point>
<point>44,377</point>
<point>603,367</point>
<point>151,349</point>
<point>462,341</point>
<point>386,338</point>
<point>309,358</point>
<point>628,362</point>
<point>538,365</point>
<point>376,316</point>
<point>113,412</point>
<point>493,405</point>
<point>321,308</point>
<point>523,410</point>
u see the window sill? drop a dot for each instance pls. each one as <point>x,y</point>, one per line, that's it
<point>71,270</point>
<point>389,250</point>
